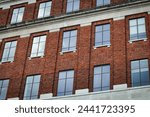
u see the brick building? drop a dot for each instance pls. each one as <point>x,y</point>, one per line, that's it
<point>74,49</point>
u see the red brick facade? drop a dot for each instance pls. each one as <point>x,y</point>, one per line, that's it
<point>83,60</point>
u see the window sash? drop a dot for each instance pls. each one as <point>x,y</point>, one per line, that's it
<point>9,51</point>
<point>69,40</point>
<point>101,80</point>
<point>140,73</point>
<point>32,87</point>
<point>65,83</point>
<point>3,89</point>
<point>102,2</point>
<point>38,46</point>
<point>137,29</point>
<point>102,35</point>
<point>17,15</point>
<point>73,5</point>
<point>44,9</point>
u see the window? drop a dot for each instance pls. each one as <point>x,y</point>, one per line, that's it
<point>137,29</point>
<point>102,35</point>
<point>44,9</point>
<point>140,73</point>
<point>65,83</point>
<point>101,78</point>
<point>102,2</point>
<point>3,89</point>
<point>9,51</point>
<point>69,40</point>
<point>17,15</point>
<point>73,5</point>
<point>38,46</point>
<point>32,87</point>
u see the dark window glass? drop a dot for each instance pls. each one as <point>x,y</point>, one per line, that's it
<point>102,35</point>
<point>137,29</point>
<point>44,9</point>
<point>38,46</point>
<point>9,51</point>
<point>73,5</point>
<point>102,2</point>
<point>17,15</point>
<point>3,89</point>
<point>32,87</point>
<point>140,73</point>
<point>65,83</point>
<point>101,78</point>
<point>69,40</point>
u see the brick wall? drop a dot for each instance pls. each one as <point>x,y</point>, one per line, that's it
<point>118,55</point>
<point>58,8</point>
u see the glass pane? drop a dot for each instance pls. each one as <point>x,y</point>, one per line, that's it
<point>69,85</point>
<point>76,5</point>
<point>69,6</point>
<point>105,80</point>
<point>12,52</point>
<point>98,28</point>
<point>106,69</point>
<point>135,77</point>
<point>14,18</point>
<point>41,13</point>
<point>42,5</point>
<point>135,65</point>
<point>35,89</point>
<point>141,28</point>
<point>97,70</point>
<point>99,3</point>
<point>13,44</point>
<point>1,83</point>
<point>97,81</point>
<point>106,36</point>
<point>47,12</point>
<point>61,86</point>
<point>36,39</point>
<point>43,38</point>
<point>98,37</point>
<point>28,90</point>
<point>143,63</point>
<point>133,30</point>
<point>41,47</point>
<point>37,78</point>
<point>15,11</point>
<point>20,16</point>
<point>21,10</point>
<point>62,75</point>
<point>70,74</point>
<point>73,33</point>
<point>35,48</point>
<point>7,45</point>
<point>5,83</point>
<point>48,4</point>
<point>73,42</point>
<point>65,43</point>
<point>3,93</point>
<point>145,76</point>
<point>106,27</point>
<point>133,22</point>
<point>106,2</point>
<point>29,79</point>
<point>141,21</point>
<point>5,54</point>
<point>66,34</point>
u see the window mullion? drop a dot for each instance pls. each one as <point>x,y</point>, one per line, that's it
<point>9,51</point>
